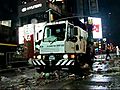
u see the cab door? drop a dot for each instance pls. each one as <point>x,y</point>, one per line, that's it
<point>81,40</point>
<point>70,44</point>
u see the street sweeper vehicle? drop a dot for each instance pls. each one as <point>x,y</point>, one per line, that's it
<point>63,48</point>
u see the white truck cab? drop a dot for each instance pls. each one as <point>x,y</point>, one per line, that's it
<point>63,37</point>
<point>62,45</point>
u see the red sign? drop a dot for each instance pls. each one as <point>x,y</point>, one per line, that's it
<point>96,27</point>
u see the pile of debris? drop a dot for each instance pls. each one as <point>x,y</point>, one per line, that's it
<point>29,79</point>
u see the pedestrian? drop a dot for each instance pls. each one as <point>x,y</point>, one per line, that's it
<point>89,56</point>
<point>108,57</point>
<point>117,51</point>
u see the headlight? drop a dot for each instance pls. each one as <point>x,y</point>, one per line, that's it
<point>39,56</point>
<point>72,56</point>
<point>65,56</point>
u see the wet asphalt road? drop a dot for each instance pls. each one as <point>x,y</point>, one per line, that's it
<point>99,81</point>
<point>96,81</point>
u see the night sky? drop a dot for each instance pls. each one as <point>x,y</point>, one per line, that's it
<point>8,9</point>
<point>115,20</point>
<point>109,11</point>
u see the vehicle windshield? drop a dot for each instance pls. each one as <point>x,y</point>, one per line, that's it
<point>54,33</point>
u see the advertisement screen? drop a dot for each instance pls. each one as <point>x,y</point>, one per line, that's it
<point>30,35</point>
<point>32,8</point>
<point>6,23</point>
<point>29,40</point>
<point>97,27</point>
<point>26,37</point>
<point>21,35</point>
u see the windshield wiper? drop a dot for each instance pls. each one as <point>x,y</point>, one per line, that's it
<point>53,40</point>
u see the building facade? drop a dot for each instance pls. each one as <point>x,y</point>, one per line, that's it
<point>41,10</point>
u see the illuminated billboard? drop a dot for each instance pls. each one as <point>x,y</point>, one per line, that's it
<point>25,32</point>
<point>97,27</point>
<point>26,38</point>
<point>29,36</point>
<point>6,23</point>
<point>32,8</point>
<point>20,35</point>
<point>29,29</point>
<point>29,40</point>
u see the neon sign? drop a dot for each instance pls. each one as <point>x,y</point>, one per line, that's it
<point>31,7</point>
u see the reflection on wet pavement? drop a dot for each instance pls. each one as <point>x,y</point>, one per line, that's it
<point>100,82</point>
<point>97,81</point>
<point>100,78</point>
